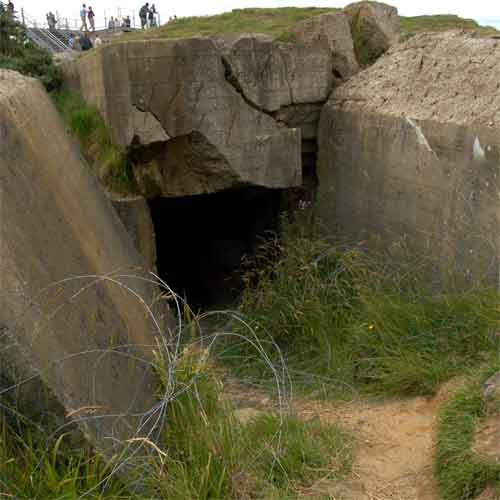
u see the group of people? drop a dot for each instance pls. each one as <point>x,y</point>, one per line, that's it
<point>83,42</point>
<point>147,15</point>
<point>114,22</point>
<point>87,13</point>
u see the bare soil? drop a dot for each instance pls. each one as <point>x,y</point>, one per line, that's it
<point>395,443</point>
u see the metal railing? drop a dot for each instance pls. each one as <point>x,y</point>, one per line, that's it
<point>119,14</point>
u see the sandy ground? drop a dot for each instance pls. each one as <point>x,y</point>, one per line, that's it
<point>395,442</point>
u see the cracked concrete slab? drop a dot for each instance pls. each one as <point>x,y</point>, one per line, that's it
<point>182,83</point>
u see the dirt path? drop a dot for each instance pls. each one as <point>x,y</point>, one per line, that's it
<point>395,447</point>
<point>395,441</point>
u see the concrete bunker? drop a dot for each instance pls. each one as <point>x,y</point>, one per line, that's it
<point>201,240</point>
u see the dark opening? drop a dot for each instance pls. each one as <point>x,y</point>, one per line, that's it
<point>309,176</point>
<point>201,241</point>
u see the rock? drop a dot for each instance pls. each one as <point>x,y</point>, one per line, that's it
<point>187,129</point>
<point>86,340</point>
<point>486,442</point>
<point>408,164</point>
<point>374,27</point>
<point>136,217</point>
<point>491,388</point>
<point>488,494</point>
<point>335,29</point>
<point>272,74</point>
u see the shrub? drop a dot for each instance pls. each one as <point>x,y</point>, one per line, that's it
<point>19,54</point>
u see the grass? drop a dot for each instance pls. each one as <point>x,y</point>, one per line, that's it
<point>462,475</point>
<point>30,469</point>
<point>88,126</point>
<point>358,324</point>
<point>445,22</point>
<point>213,456</point>
<point>278,21</point>
<point>274,22</point>
<point>203,453</point>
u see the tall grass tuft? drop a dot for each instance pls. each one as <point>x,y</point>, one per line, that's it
<point>211,455</point>
<point>30,468</point>
<point>340,315</point>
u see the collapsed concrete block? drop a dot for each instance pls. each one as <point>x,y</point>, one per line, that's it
<point>334,28</point>
<point>272,75</point>
<point>409,150</point>
<point>187,129</point>
<point>63,320</point>
<point>374,27</point>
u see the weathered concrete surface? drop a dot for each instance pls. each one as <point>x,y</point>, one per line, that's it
<point>375,28</point>
<point>189,130</point>
<point>410,150</point>
<point>335,29</point>
<point>273,74</point>
<point>302,116</point>
<point>135,215</point>
<point>84,339</point>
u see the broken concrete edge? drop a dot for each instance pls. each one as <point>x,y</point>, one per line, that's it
<point>209,114</point>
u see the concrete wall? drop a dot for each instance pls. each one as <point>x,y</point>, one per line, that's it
<point>386,179</point>
<point>90,343</point>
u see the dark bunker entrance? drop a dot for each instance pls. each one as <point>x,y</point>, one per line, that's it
<point>201,241</point>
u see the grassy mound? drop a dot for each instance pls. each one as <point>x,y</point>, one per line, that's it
<point>278,21</point>
<point>462,475</point>
<point>342,316</point>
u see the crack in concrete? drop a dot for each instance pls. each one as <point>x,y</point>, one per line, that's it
<point>231,78</point>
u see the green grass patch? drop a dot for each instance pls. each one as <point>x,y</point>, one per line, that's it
<point>211,455</point>
<point>342,316</point>
<point>444,22</point>
<point>30,467</point>
<point>203,452</point>
<point>278,21</point>
<point>274,22</point>
<point>462,475</point>
<point>87,125</point>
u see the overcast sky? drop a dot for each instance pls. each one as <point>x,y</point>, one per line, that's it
<point>477,9</point>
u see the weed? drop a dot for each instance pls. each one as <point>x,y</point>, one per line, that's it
<point>462,475</point>
<point>86,123</point>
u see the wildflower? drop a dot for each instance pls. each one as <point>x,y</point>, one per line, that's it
<point>371,327</point>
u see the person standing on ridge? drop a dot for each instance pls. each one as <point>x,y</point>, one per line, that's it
<point>83,17</point>
<point>91,17</point>
<point>143,14</point>
<point>151,16</point>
